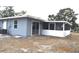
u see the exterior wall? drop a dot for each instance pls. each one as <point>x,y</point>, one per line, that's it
<point>21,27</point>
<point>1,24</point>
<point>57,33</point>
<point>29,27</point>
<point>24,27</point>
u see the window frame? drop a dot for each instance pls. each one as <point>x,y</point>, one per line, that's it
<point>15,24</point>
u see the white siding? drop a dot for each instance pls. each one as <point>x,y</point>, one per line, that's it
<point>21,27</point>
<point>57,33</point>
<point>67,32</point>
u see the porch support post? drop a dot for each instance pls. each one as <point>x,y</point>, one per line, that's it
<point>54,26</point>
<point>49,26</point>
<point>31,27</point>
<point>39,28</point>
<point>63,26</point>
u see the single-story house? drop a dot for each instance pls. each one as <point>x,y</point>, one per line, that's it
<point>29,25</point>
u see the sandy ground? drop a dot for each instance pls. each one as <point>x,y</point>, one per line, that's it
<point>40,44</point>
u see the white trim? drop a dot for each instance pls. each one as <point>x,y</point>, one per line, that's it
<point>39,28</point>
<point>31,28</point>
<point>63,26</point>
<point>58,21</point>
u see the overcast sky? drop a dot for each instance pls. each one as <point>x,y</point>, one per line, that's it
<point>42,8</point>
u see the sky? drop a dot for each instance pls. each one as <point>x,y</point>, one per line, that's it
<point>42,8</point>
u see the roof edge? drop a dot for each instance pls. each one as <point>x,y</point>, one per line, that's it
<point>24,16</point>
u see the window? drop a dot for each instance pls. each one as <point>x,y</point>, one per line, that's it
<point>15,24</point>
<point>67,27</point>
<point>59,26</point>
<point>45,25</point>
<point>51,26</point>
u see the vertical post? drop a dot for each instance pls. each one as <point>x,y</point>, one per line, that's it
<point>54,26</point>
<point>39,27</point>
<point>64,29</point>
<point>31,27</point>
<point>49,26</point>
<point>63,26</point>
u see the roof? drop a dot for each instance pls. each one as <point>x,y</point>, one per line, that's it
<point>59,21</point>
<point>35,18</point>
<point>31,17</point>
<point>25,16</point>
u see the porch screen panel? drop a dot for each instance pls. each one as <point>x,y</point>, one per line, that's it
<point>51,26</point>
<point>59,26</point>
<point>45,25</point>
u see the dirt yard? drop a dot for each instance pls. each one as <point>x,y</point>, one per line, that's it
<point>40,44</point>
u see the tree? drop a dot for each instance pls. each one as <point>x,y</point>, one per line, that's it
<point>66,14</point>
<point>20,13</point>
<point>51,17</point>
<point>8,11</point>
<point>23,12</point>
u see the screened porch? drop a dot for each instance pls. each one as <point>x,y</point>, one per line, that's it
<point>57,28</point>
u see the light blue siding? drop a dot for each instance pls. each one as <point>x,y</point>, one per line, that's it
<point>21,27</point>
<point>24,27</point>
<point>1,24</point>
<point>29,25</point>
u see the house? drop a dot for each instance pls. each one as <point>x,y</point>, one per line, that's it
<point>29,25</point>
